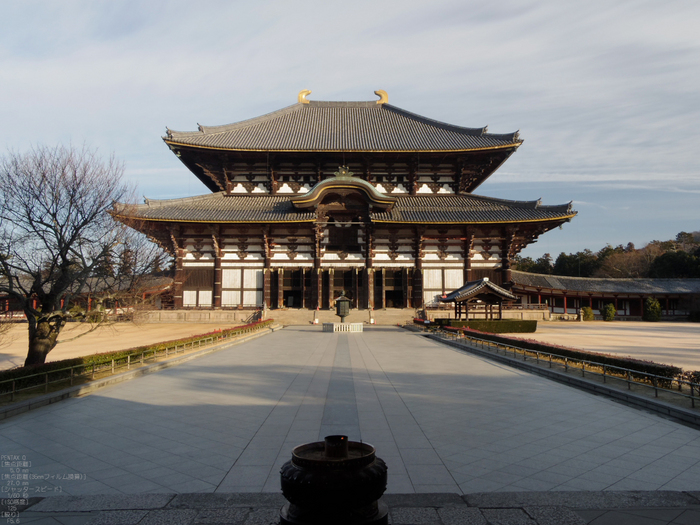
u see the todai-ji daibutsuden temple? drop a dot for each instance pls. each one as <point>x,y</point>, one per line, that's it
<point>323,197</point>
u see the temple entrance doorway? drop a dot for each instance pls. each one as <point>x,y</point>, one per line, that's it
<point>391,288</point>
<point>293,288</point>
<point>345,280</point>
<point>288,288</point>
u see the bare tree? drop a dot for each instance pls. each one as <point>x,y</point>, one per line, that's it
<point>57,236</point>
<point>4,328</point>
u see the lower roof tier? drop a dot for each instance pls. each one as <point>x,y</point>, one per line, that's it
<point>265,209</point>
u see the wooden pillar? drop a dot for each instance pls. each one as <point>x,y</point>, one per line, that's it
<point>369,282</point>
<point>418,267</point>
<point>316,287</point>
<point>280,288</point>
<point>216,239</point>
<point>467,255</point>
<point>565,304</point>
<point>355,290</point>
<point>506,246</point>
<point>317,275</point>
<point>319,171</point>
<point>273,179</point>
<point>267,287</point>
<point>302,272</point>
<point>404,288</point>
<point>369,245</point>
<point>412,177</point>
<point>318,239</point>
<point>382,286</point>
<point>179,280</point>
<point>500,310</point>
<point>417,288</point>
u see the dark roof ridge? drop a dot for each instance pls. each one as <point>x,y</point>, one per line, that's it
<point>344,104</point>
<point>156,203</point>
<point>209,130</point>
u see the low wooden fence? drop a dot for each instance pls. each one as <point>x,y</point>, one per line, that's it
<point>675,386</point>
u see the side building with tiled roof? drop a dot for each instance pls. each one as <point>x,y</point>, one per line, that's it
<point>320,197</point>
<point>565,296</point>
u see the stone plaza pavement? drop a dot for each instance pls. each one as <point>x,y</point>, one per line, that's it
<point>443,420</point>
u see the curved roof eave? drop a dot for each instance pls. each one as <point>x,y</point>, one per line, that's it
<point>174,144</point>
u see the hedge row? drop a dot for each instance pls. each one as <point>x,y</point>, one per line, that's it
<point>22,381</point>
<point>501,326</point>
<point>647,367</point>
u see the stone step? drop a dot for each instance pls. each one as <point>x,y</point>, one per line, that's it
<point>292,316</point>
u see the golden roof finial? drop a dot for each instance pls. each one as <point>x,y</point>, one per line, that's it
<point>383,97</point>
<point>343,172</point>
<point>302,96</point>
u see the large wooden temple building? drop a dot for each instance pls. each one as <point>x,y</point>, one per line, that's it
<point>323,197</point>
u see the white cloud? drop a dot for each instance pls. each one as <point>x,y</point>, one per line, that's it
<point>600,91</point>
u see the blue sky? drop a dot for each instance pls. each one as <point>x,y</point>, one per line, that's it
<point>605,94</point>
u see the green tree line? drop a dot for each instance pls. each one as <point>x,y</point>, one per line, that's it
<point>677,258</point>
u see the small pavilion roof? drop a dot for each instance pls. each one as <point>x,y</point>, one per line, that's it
<point>372,126</point>
<point>483,289</point>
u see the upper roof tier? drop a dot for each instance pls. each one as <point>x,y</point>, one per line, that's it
<point>311,126</point>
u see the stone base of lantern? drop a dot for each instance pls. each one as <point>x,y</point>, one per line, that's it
<point>343,327</point>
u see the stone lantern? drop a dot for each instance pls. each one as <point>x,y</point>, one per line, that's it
<point>342,307</point>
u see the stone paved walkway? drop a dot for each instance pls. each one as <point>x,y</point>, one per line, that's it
<point>512,508</point>
<point>444,422</point>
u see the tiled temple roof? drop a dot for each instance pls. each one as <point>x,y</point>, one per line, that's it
<point>462,209</point>
<point>605,285</point>
<point>478,288</point>
<point>342,126</point>
<point>469,209</point>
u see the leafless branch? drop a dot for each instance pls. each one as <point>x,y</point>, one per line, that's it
<point>58,240</point>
